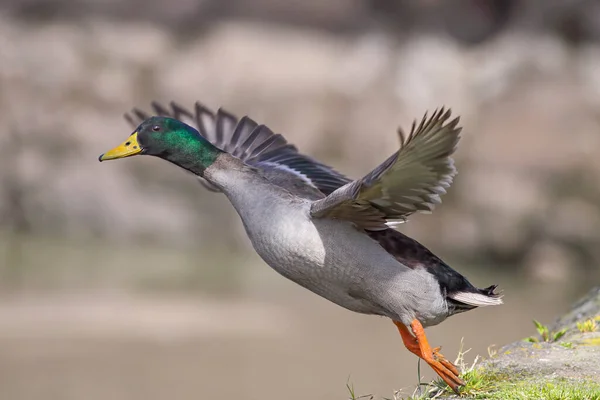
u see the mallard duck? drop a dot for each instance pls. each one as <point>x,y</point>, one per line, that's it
<point>324,231</point>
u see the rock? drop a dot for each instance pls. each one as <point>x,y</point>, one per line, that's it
<point>587,307</point>
<point>569,361</point>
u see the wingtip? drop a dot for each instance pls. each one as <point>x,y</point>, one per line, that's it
<point>179,110</point>
<point>200,109</point>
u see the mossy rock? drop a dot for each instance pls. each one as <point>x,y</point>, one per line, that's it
<point>567,368</point>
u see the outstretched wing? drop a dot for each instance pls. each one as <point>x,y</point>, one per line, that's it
<point>254,144</point>
<point>411,180</point>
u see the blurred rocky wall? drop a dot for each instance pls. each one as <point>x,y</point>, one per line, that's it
<point>337,77</point>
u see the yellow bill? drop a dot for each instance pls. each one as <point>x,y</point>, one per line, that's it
<point>128,148</point>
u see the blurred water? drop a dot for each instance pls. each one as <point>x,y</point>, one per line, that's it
<point>98,321</point>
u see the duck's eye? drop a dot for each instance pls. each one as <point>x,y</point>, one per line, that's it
<point>156,128</point>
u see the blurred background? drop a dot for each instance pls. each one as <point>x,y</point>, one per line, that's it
<point>127,280</point>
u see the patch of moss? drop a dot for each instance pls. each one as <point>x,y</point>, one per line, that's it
<point>592,341</point>
<point>558,390</point>
<point>481,383</point>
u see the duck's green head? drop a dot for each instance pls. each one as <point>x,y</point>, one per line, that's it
<point>169,139</point>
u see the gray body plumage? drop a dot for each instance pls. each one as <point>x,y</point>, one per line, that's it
<point>327,256</point>
<point>330,234</point>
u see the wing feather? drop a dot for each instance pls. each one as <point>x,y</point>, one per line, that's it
<point>410,180</point>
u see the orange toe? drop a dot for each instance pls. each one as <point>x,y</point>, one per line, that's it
<point>445,362</point>
<point>447,376</point>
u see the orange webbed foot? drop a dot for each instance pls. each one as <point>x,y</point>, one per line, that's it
<point>417,344</point>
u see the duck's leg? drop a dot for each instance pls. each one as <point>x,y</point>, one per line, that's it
<point>412,345</point>
<point>418,345</point>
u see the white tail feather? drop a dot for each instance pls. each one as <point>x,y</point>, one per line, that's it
<point>395,223</point>
<point>476,299</point>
